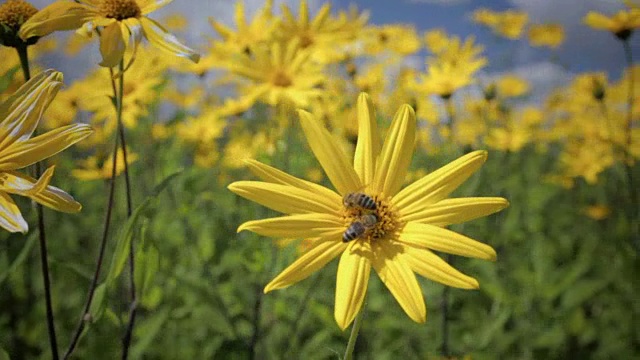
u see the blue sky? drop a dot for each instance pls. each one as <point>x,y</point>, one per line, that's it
<point>584,50</point>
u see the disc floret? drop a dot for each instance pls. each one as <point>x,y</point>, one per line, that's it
<point>388,220</point>
<point>13,14</point>
<point>120,9</point>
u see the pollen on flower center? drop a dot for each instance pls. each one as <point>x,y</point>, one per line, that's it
<point>120,9</point>
<point>14,13</point>
<point>281,79</point>
<point>387,224</point>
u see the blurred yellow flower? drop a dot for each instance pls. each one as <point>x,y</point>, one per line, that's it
<point>396,39</point>
<point>327,37</point>
<point>280,73</point>
<point>597,211</point>
<point>99,167</point>
<point>246,35</point>
<point>622,24</point>
<point>509,23</point>
<point>122,22</point>
<point>409,222</point>
<point>550,35</point>
<point>19,117</point>
<point>511,85</point>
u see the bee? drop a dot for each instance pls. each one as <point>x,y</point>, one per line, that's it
<point>359,227</point>
<point>358,199</point>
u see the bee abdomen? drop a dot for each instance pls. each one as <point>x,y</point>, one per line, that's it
<point>354,231</point>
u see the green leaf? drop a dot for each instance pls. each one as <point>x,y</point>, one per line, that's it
<point>99,302</point>
<point>4,355</point>
<point>148,331</point>
<point>22,256</point>
<point>122,251</point>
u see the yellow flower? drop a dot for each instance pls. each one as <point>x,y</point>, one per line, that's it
<point>280,73</point>
<point>509,23</point>
<point>551,35</point>
<point>19,117</point>
<point>621,24</point>
<point>100,167</point>
<point>325,36</point>
<point>13,15</point>
<point>409,222</point>
<point>122,21</point>
<point>436,40</point>
<point>246,35</point>
<point>511,85</point>
<point>597,211</point>
<point>398,39</point>
<point>445,79</point>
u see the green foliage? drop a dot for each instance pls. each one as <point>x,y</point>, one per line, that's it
<point>564,285</point>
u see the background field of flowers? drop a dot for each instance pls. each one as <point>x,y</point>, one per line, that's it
<point>547,93</point>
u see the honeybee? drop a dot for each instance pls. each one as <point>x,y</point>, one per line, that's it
<point>358,199</point>
<point>359,227</point>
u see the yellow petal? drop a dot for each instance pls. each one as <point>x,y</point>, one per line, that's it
<point>297,226</point>
<point>397,151</point>
<point>457,210</point>
<point>397,275</point>
<point>351,282</point>
<point>598,21</point>
<point>10,217</point>
<point>439,184</point>
<point>322,16</point>
<point>439,239</point>
<point>431,266</point>
<point>330,154</point>
<point>147,6</point>
<point>59,16</point>
<point>21,112</point>
<point>164,40</point>
<point>22,154</point>
<point>320,253</point>
<point>368,146</point>
<point>284,198</point>
<point>112,45</point>
<point>51,196</point>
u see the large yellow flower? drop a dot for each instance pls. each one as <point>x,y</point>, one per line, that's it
<point>120,20</point>
<point>19,117</point>
<point>410,221</point>
<point>621,24</point>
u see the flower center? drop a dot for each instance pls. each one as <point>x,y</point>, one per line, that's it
<point>387,221</point>
<point>120,9</point>
<point>281,79</point>
<point>14,13</point>
<point>306,40</point>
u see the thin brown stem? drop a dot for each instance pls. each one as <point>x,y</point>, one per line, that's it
<point>42,235</point>
<point>86,315</point>
<point>628,161</point>
<point>119,95</point>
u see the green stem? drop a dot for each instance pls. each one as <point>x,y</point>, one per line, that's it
<point>119,95</point>
<point>355,330</point>
<point>86,314</point>
<point>44,257</point>
<point>633,196</point>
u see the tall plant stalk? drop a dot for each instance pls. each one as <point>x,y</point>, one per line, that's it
<point>44,257</point>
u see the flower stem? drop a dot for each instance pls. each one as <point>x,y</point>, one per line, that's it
<point>44,258</point>
<point>355,330</point>
<point>633,216</point>
<point>119,95</point>
<point>86,315</point>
